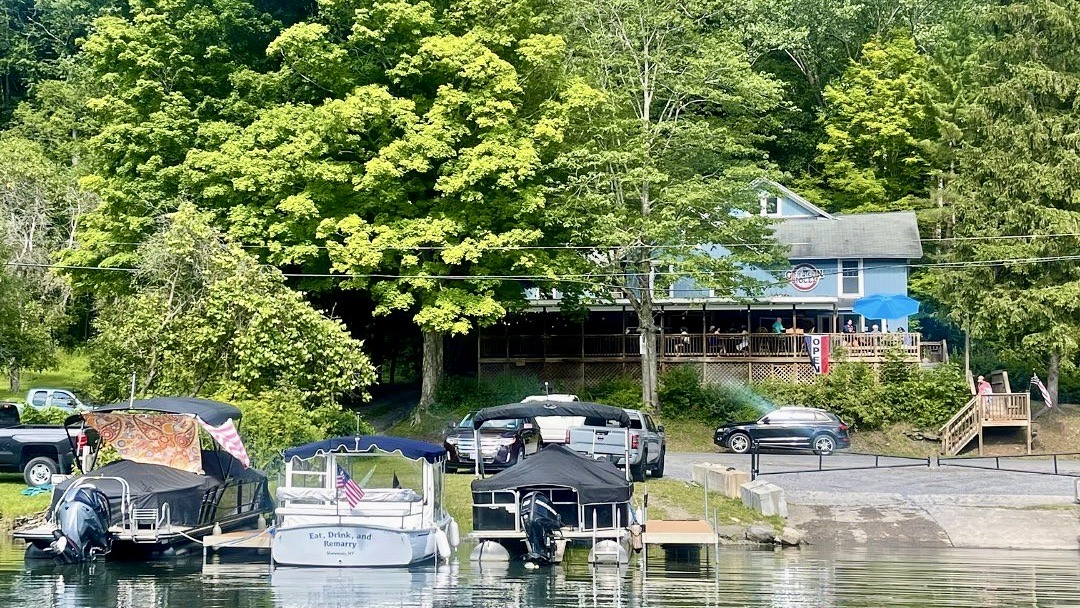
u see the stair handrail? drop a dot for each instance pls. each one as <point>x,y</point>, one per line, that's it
<point>946,429</point>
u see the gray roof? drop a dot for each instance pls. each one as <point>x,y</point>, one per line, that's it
<point>893,235</point>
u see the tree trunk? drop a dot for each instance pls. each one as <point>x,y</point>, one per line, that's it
<point>1052,376</point>
<point>649,380</point>
<point>432,372</point>
<point>13,378</point>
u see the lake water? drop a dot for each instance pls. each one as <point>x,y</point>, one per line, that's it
<point>738,577</point>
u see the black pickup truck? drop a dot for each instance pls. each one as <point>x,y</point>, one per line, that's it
<point>36,451</point>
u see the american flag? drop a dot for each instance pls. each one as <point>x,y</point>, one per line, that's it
<point>229,439</point>
<point>1042,389</point>
<point>352,491</point>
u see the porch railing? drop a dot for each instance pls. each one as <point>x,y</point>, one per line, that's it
<point>788,345</point>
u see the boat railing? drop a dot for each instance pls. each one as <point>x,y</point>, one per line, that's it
<point>125,496</point>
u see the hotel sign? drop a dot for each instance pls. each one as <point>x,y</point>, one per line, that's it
<point>804,277</point>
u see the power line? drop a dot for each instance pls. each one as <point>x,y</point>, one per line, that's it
<point>576,277</point>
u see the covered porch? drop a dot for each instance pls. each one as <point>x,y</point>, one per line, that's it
<point>727,342</point>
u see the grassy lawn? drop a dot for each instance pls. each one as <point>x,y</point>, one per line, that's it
<point>689,436</point>
<point>72,371</point>
<point>668,499</point>
<point>13,504</point>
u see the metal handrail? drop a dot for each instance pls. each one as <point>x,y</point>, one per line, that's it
<point>125,496</point>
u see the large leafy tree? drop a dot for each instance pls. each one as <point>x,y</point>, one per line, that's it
<point>159,74</point>
<point>665,147</point>
<point>205,317</point>
<point>877,117</point>
<point>408,137</point>
<point>1017,186</point>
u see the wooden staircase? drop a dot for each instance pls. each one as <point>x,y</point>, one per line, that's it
<point>996,409</point>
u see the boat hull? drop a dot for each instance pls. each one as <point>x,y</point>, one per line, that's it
<point>352,545</point>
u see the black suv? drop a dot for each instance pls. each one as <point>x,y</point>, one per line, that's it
<point>502,443</point>
<point>788,427</point>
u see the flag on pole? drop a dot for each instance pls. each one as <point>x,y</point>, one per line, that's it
<point>1042,389</point>
<point>353,493</point>
<point>229,439</point>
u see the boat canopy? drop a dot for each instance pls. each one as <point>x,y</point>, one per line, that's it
<point>596,481</point>
<point>538,409</point>
<point>150,486</point>
<point>213,413</point>
<point>409,448</point>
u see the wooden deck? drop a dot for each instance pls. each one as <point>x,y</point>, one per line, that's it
<point>678,532</point>
<point>739,346</point>
<point>982,411</point>
<point>244,539</point>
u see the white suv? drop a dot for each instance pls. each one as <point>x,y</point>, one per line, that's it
<point>553,428</point>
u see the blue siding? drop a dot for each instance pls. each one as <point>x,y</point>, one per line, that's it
<point>789,208</point>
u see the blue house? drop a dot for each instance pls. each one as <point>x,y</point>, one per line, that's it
<point>833,260</point>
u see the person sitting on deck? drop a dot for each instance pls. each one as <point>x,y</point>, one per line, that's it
<point>778,326</point>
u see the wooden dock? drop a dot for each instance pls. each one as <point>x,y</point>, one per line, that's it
<point>244,539</point>
<point>678,532</point>
<point>686,536</point>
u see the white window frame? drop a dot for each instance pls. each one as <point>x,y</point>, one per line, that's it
<point>763,204</point>
<point>840,276</point>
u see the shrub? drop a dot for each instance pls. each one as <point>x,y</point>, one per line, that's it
<point>623,391</point>
<point>279,419</point>
<point>924,397</point>
<point>49,415</point>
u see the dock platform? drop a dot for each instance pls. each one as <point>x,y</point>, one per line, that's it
<point>678,532</point>
<point>244,539</point>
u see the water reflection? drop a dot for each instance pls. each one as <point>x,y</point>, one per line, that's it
<point>736,577</point>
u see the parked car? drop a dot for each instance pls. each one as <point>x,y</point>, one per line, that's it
<point>61,398</point>
<point>648,445</point>
<point>502,443</point>
<point>36,451</point>
<point>789,427</point>
<point>553,428</point>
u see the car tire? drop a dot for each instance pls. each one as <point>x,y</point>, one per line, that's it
<point>39,471</point>
<point>824,445</point>
<point>658,470</point>
<point>637,472</point>
<point>739,443</point>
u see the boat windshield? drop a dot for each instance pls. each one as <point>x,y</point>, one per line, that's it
<point>507,424</point>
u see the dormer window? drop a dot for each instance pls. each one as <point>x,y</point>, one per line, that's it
<point>770,205</point>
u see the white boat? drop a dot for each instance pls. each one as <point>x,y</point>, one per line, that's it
<point>399,520</point>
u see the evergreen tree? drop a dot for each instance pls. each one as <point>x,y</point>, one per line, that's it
<point>1018,209</point>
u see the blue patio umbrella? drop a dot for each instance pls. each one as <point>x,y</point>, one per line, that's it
<point>886,306</point>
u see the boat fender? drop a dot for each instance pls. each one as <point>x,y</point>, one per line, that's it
<point>489,551</point>
<point>455,534</point>
<point>608,552</point>
<point>635,538</point>
<point>442,544</point>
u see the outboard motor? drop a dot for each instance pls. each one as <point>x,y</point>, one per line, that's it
<point>83,520</point>
<point>540,521</point>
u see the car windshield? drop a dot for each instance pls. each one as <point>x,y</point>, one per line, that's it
<point>509,424</point>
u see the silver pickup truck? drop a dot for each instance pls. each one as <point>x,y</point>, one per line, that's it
<point>647,445</point>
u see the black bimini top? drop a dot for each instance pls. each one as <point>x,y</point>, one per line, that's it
<point>537,409</point>
<point>213,413</point>
<point>596,481</point>
<point>409,448</point>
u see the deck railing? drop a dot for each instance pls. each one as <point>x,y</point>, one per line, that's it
<point>960,429</point>
<point>995,409</point>
<point>737,345</point>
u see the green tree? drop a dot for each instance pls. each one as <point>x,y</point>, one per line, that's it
<point>659,162</point>
<point>411,139</point>
<point>40,207</point>
<point>159,74</point>
<point>876,118</point>
<point>1017,187</point>
<point>207,318</point>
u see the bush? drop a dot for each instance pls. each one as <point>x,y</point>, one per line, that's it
<point>279,419</point>
<point>682,396</point>
<point>620,392</point>
<point>49,415</point>
<point>924,397</point>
